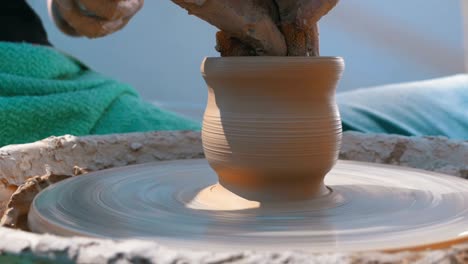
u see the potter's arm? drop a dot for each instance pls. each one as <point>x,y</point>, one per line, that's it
<point>92,18</point>
<point>252,23</point>
<point>299,24</point>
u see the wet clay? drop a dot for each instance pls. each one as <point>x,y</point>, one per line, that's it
<point>271,128</point>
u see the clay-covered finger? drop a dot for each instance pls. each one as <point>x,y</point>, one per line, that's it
<point>252,22</point>
<point>86,25</point>
<point>59,21</point>
<point>298,24</point>
<point>111,9</point>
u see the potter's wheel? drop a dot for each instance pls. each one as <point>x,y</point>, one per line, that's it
<point>371,207</point>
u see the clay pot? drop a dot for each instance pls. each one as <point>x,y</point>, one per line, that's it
<point>271,128</point>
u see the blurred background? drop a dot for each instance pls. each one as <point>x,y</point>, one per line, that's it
<point>161,49</point>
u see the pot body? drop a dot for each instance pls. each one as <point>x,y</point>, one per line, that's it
<point>271,128</point>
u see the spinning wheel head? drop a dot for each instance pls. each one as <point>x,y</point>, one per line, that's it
<point>370,207</point>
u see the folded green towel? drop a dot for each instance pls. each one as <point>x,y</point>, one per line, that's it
<point>44,92</point>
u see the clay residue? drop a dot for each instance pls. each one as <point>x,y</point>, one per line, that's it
<point>437,154</point>
<point>16,213</point>
<point>70,155</point>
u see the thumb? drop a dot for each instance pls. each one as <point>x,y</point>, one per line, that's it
<point>58,20</point>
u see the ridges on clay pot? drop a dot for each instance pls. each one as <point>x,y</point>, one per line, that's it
<point>271,128</point>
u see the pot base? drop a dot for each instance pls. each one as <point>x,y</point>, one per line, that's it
<point>178,203</point>
<point>271,190</point>
<point>218,198</point>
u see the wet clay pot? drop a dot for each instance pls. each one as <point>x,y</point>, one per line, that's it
<point>271,128</point>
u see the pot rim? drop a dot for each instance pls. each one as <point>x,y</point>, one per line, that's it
<point>254,58</point>
<point>264,64</point>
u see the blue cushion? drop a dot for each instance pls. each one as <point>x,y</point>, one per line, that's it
<point>437,107</point>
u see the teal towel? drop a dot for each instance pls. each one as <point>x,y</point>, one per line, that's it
<point>437,107</point>
<point>44,92</point>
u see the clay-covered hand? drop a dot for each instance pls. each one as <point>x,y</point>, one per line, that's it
<point>263,27</point>
<point>92,18</point>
